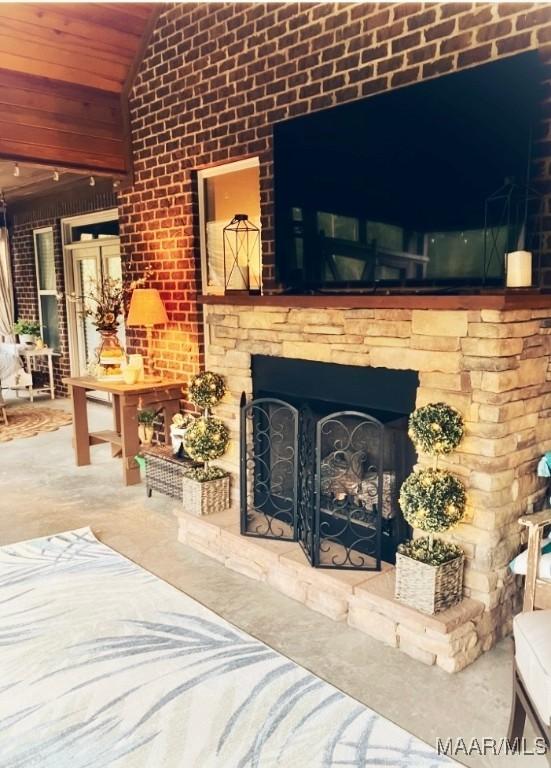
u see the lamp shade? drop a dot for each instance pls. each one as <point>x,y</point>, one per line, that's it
<point>146,308</point>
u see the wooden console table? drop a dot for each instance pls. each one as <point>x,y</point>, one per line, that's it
<point>127,400</point>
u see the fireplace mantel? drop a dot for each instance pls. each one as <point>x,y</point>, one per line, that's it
<point>504,300</point>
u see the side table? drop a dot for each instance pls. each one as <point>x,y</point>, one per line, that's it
<point>128,399</point>
<point>164,472</point>
<point>30,356</point>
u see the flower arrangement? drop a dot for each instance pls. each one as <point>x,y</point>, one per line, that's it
<point>432,500</point>
<point>206,439</point>
<point>103,302</point>
<point>207,389</point>
<point>436,428</point>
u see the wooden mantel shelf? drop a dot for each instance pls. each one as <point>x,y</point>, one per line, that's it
<point>504,300</point>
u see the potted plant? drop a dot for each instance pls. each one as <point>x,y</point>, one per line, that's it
<point>429,571</point>
<point>206,489</point>
<point>145,426</point>
<point>27,330</point>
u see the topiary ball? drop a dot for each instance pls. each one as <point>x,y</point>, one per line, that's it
<point>436,428</point>
<point>207,389</point>
<point>432,500</point>
<point>206,439</point>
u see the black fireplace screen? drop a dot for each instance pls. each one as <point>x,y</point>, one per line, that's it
<point>329,481</point>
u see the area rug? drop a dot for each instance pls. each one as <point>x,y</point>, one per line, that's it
<point>30,420</point>
<point>103,664</point>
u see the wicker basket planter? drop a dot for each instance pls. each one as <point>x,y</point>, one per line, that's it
<point>207,497</point>
<point>429,588</point>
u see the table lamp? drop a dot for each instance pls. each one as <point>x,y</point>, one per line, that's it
<point>147,309</point>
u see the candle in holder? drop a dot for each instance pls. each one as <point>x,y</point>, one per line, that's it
<point>519,269</point>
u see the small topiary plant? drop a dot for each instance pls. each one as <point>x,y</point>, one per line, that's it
<point>207,389</point>
<point>207,437</point>
<point>433,500</point>
<point>436,428</point>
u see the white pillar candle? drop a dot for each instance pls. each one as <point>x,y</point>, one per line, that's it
<point>519,269</point>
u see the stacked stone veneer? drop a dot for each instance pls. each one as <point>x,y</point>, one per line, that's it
<point>491,365</point>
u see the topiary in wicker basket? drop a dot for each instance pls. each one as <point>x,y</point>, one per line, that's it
<point>207,489</point>
<point>429,572</point>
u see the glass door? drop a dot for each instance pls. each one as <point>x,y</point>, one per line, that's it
<point>92,253</point>
<point>89,266</point>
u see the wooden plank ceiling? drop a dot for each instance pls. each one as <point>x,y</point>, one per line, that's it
<point>65,70</point>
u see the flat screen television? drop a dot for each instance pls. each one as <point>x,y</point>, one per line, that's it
<point>392,189</point>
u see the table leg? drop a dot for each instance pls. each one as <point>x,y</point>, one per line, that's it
<point>130,443</point>
<point>81,437</point>
<point>51,374</point>
<point>115,450</point>
<point>29,368</point>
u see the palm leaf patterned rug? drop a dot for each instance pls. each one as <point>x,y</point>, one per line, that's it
<point>103,664</point>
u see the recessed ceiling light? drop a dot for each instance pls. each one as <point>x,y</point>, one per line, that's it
<point>16,170</point>
<point>92,181</point>
<point>55,177</point>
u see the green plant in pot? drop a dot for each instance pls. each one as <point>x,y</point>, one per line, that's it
<point>206,488</point>
<point>429,571</point>
<point>146,428</point>
<point>27,330</point>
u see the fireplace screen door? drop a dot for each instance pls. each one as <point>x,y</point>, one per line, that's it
<point>318,481</point>
<point>269,469</point>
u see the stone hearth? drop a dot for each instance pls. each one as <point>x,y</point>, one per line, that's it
<point>365,600</point>
<point>492,365</point>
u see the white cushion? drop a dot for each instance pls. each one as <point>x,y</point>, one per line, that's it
<point>533,654</point>
<point>519,564</point>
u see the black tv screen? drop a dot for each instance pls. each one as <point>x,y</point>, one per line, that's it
<point>392,189</point>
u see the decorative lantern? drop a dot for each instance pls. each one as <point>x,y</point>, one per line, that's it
<point>512,223</point>
<point>242,268</point>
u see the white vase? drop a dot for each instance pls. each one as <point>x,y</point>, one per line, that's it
<point>27,338</point>
<point>145,433</point>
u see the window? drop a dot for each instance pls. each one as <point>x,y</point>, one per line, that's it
<point>46,284</point>
<point>224,191</point>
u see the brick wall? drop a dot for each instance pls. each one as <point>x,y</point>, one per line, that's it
<point>217,76</point>
<point>23,220</point>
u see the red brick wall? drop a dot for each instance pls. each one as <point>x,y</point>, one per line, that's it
<point>23,220</point>
<point>217,76</point>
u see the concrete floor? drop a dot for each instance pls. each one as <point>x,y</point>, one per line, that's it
<point>42,492</point>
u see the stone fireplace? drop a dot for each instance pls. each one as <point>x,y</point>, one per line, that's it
<point>485,355</point>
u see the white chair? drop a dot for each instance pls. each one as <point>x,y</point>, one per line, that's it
<point>532,634</point>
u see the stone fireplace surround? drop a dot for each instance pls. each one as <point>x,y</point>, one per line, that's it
<point>491,364</point>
